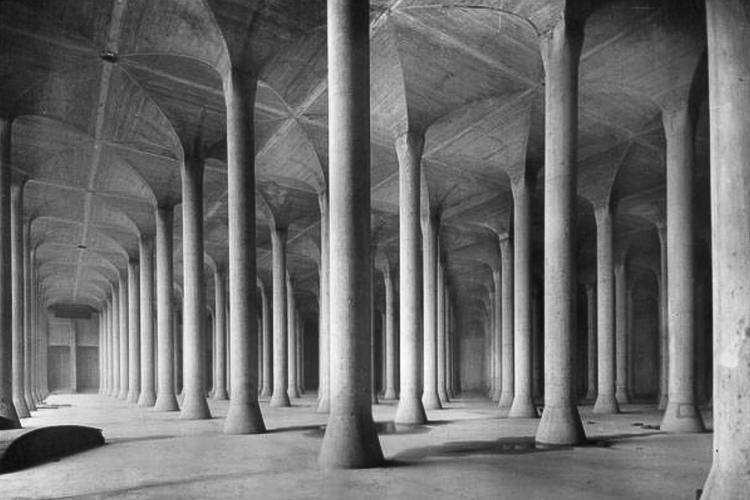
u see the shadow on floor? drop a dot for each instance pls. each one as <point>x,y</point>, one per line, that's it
<point>503,446</point>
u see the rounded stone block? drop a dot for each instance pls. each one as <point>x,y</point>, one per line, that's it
<point>606,404</point>
<point>410,411</point>
<point>338,451</point>
<point>682,418</point>
<point>560,426</point>
<point>244,418</point>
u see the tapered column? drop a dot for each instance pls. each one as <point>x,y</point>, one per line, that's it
<point>177,339</point>
<point>663,320</point>
<point>115,341</point>
<point>165,393</point>
<point>522,405</point>
<point>605,288</point>
<point>122,393</point>
<point>28,358</point>
<point>244,415</point>
<point>507,314</point>
<point>18,292</point>
<point>280,361</point>
<point>325,308</point>
<point>267,345</point>
<point>591,365</point>
<point>147,396</point>
<point>410,410</point>
<point>497,333</point>
<point>442,393</point>
<point>134,331</point>
<point>104,350</point>
<point>220,365</point>
<point>561,49</point>
<point>194,406</point>
<point>8,415</point>
<point>390,335</point>
<point>33,391</point>
<point>44,350</point>
<point>622,344</point>
<point>350,440</point>
<point>729,104</point>
<point>291,331</point>
<point>430,398</point>
<point>681,414</point>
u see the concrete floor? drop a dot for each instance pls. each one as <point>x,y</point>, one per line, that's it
<point>465,452</point>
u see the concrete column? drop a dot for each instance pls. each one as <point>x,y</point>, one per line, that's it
<point>351,440</point>
<point>194,406</point>
<point>441,365</point>
<point>300,354</point>
<point>430,225</point>
<point>325,308</point>
<point>220,365</point>
<point>681,414</point>
<point>147,397</point>
<point>115,341</point>
<point>451,350</point>
<point>663,320</point>
<point>280,346</point>
<point>244,415</point>
<point>267,345</point>
<point>124,343</point>
<point>73,346</point>
<point>177,339</point>
<point>560,424</point>
<point>33,393</point>
<point>409,149</point>
<point>104,350</point>
<point>8,415</point>
<point>622,344</point>
<point>507,314</point>
<point>28,358</point>
<point>44,350</point>
<point>591,365</point>
<point>605,299</point>
<point>165,392</point>
<point>522,405</point>
<point>373,313</point>
<point>18,294</point>
<point>729,104</point>
<point>291,332</point>
<point>390,335</point>
<point>497,334</point>
<point>134,331</point>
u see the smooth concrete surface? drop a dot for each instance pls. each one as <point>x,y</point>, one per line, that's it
<point>465,452</point>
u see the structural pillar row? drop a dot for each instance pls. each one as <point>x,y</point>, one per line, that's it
<point>410,410</point>
<point>29,359</point>
<point>606,402</point>
<point>497,333</point>
<point>591,348</point>
<point>325,308</point>
<point>622,344</point>
<point>507,337</point>
<point>390,334</point>
<point>122,393</point>
<point>430,225</point>
<point>351,440</point>
<point>561,48</point>
<point>729,104</point>
<point>115,351</point>
<point>280,340</point>
<point>267,325</point>
<point>134,331</point>
<point>663,319</point>
<point>147,397</point>
<point>220,334</point>
<point>292,340</point>
<point>441,363</point>
<point>18,292</point>
<point>165,392</point>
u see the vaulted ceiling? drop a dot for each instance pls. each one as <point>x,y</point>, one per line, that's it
<point>105,95</point>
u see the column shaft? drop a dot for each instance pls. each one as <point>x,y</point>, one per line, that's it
<point>267,345</point>
<point>622,343</point>
<point>560,424</point>
<point>506,342</point>
<point>591,364</point>
<point>497,334</point>
<point>729,104</point>
<point>292,341</point>
<point>115,367</point>
<point>220,333</point>
<point>124,343</point>
<point>280,368</point>
<point>244,415</point>
<point>28,358</point>
<point>605,300</point>
<point>325,308</point>
<point>522,405</point>
<point>134,331</point>
<point>663,320</point>
<point>442,393</point>
<point>681,414</point>
<point>147,396</point>
<point>165,393</point>
<point>18,293</point>
<point>430,399</point>
<point>410,410</point>
<point>194,406</point>
<point>351,440</point>
<point>390,336</point>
